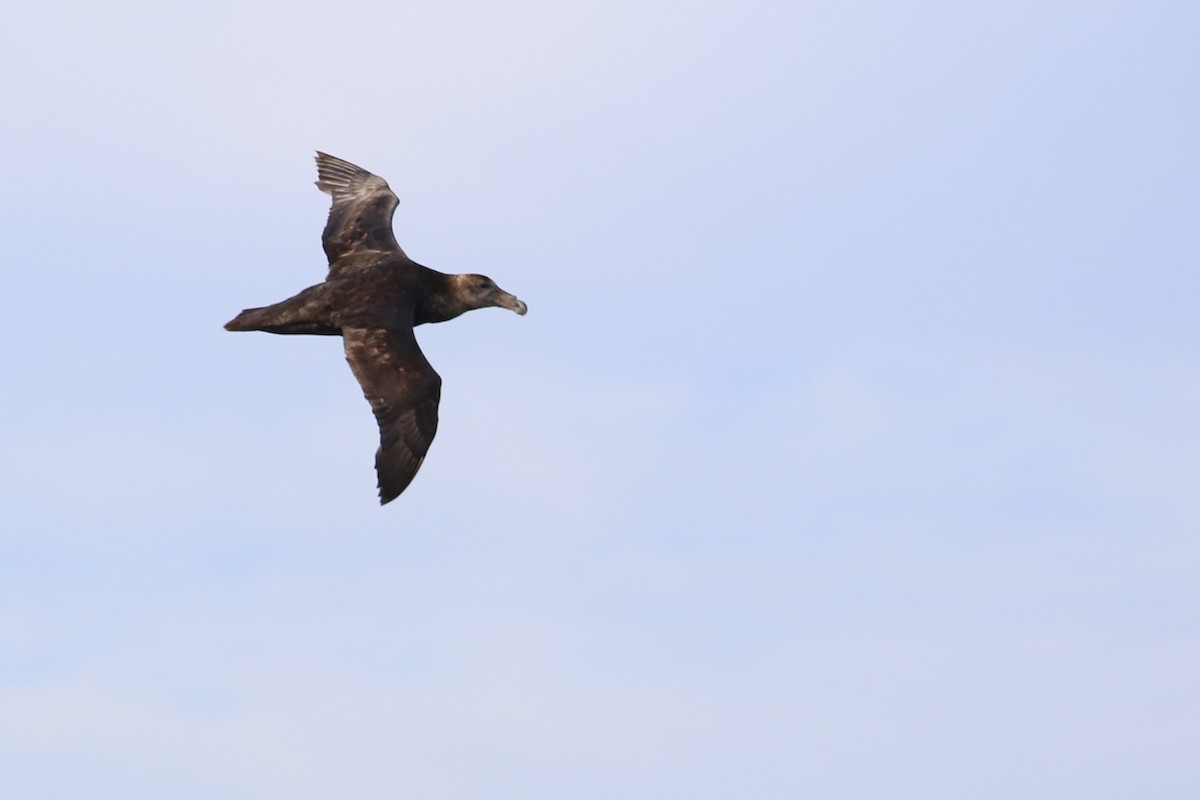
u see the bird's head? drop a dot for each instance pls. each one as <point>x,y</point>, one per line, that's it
<point>480,291</point>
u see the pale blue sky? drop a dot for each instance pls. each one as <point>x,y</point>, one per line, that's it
<point>848,450</point>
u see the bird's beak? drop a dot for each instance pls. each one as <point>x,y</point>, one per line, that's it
<point>506,300</point>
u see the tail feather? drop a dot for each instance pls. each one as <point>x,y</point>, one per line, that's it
<point>249,320</point>
<point>306,313</point>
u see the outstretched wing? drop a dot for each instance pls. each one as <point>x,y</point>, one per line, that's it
<point>404,392</point>
<point>359,229</point>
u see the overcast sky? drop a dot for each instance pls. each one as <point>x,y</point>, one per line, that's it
<point>849,448</point>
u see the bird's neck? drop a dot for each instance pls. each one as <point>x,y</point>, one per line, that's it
<point>439,306</point>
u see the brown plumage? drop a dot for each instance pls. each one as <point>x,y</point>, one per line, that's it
<point>373,297</point>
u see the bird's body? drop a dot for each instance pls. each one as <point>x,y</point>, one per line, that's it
<point>373,297</point>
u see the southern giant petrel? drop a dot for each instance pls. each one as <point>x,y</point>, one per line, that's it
<point>373,297</point>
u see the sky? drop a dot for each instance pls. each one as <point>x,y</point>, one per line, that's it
<point>848,449</point>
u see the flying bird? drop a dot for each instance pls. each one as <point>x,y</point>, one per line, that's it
<point>373,297</point>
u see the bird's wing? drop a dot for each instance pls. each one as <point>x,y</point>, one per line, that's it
<point>403,391</point>
<point>359,229</point>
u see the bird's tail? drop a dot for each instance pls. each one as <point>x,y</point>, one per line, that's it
<point>252,319</point>
<point>306,313</point>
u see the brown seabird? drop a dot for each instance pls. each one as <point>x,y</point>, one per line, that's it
<point>373,297</point>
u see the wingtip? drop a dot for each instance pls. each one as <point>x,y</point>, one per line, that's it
<point>394,483</point>
<point>336,174</point>
<point>323,159</point>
